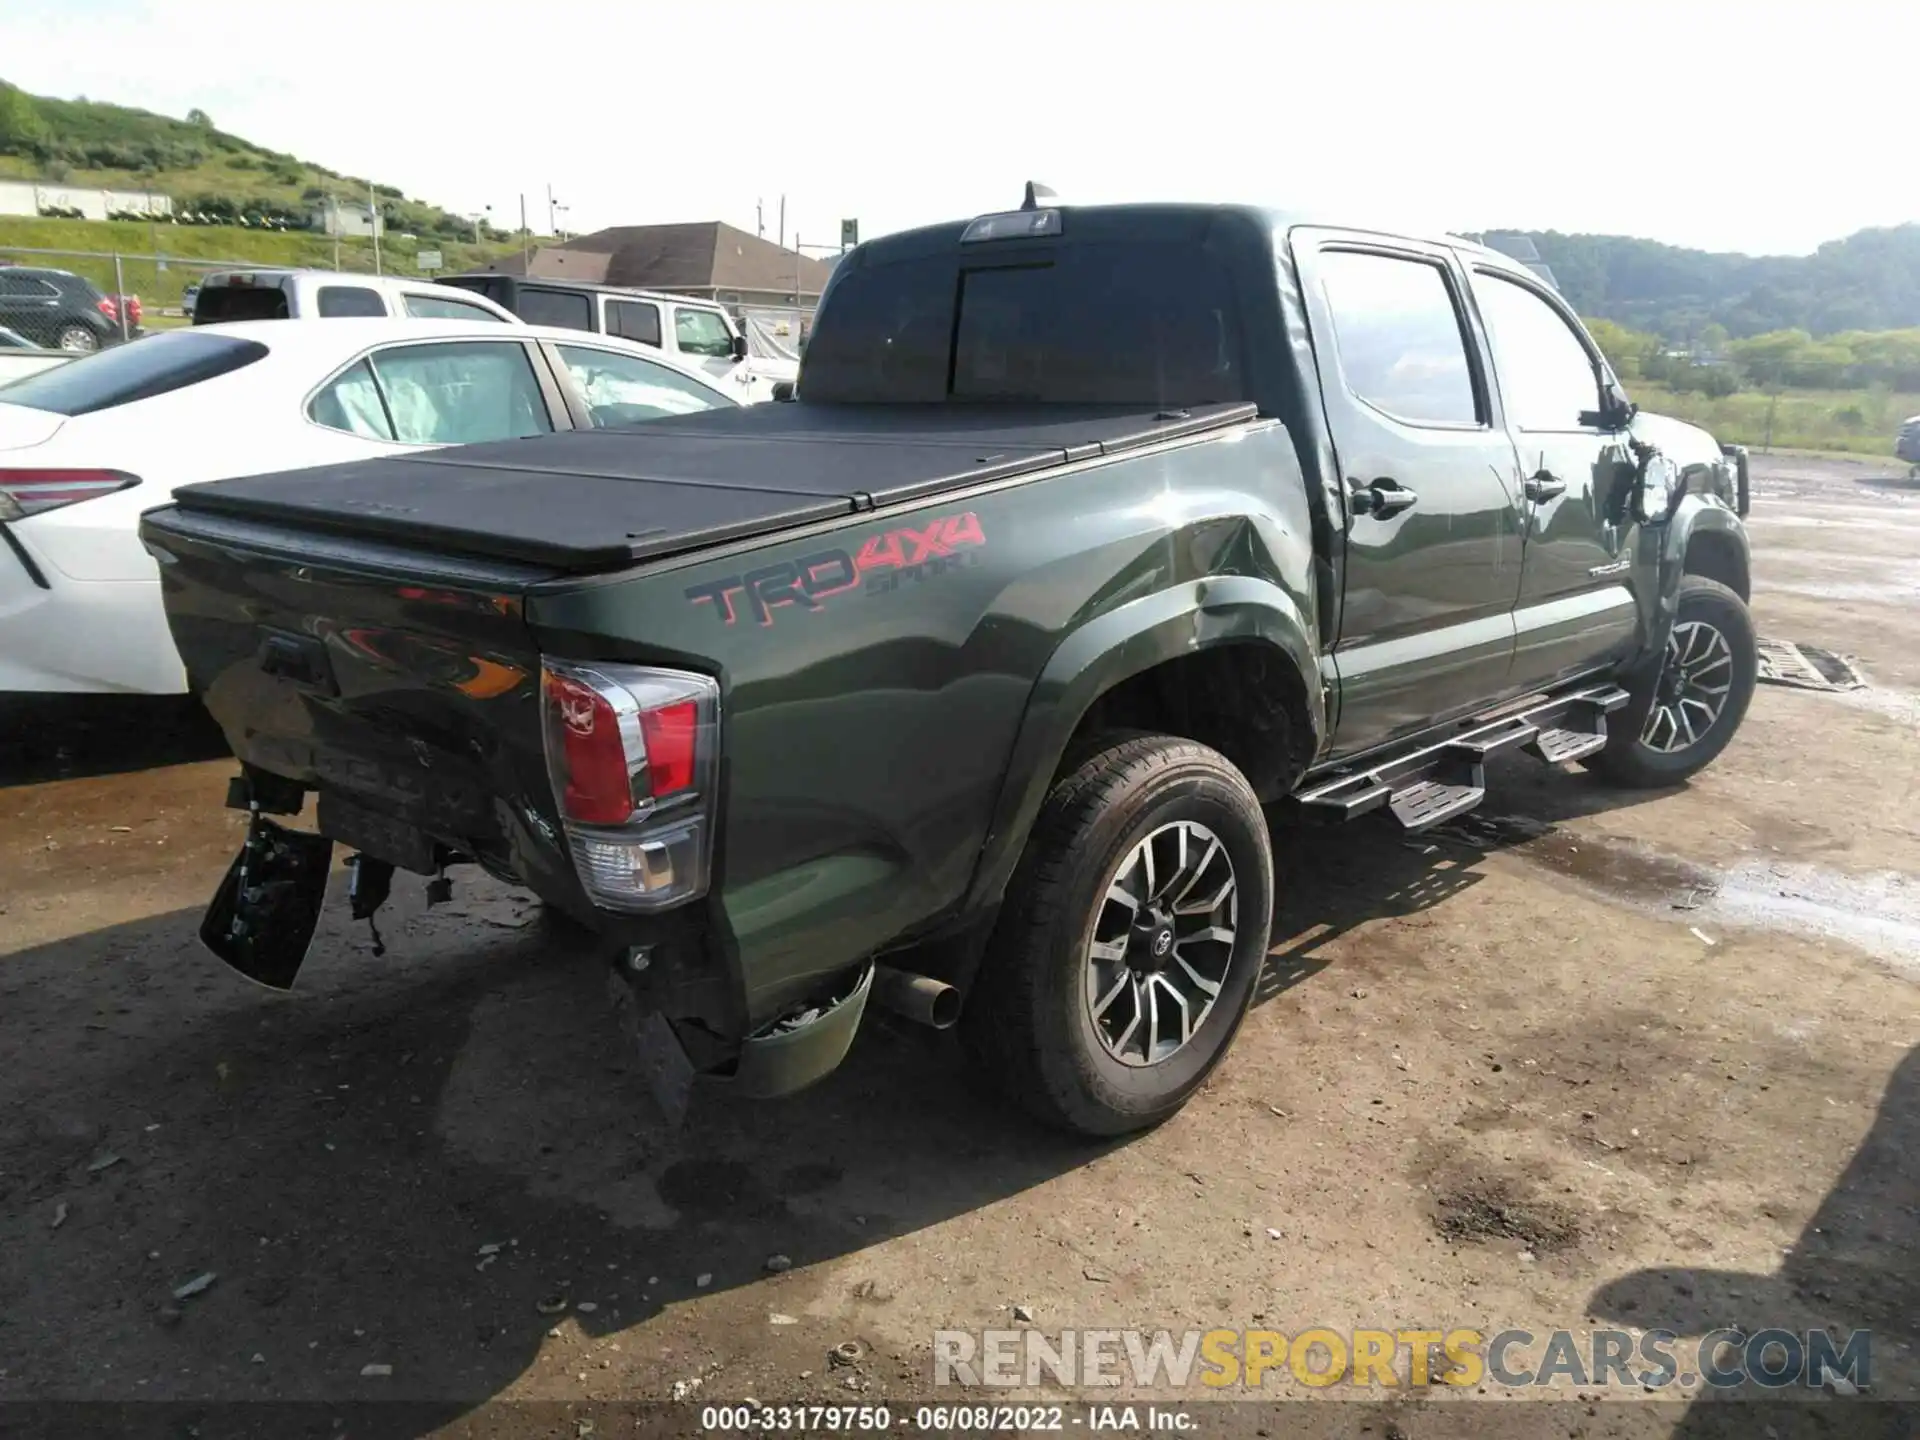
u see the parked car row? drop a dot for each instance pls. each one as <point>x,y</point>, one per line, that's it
<point>85,448</point>
<point>698,332</point>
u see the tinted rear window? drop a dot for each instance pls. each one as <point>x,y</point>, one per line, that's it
<point>153,366</point>
<point>1136,323</point>
<point>239,302</point>
<point>341,302</point>
<point>570,310</point>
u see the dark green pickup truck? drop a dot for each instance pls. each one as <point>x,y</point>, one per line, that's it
<point>958,685</point>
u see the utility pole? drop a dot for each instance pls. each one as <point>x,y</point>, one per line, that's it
<point>796,267</point>
<point>760,218</point>
<point>525,262</point>
<point>783,223</point>
<point>373,223</point>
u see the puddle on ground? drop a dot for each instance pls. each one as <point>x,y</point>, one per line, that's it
<point>1622,869</point>
<point>1894,704</point>
<point>1864,590</point>
<point>1878,913</point>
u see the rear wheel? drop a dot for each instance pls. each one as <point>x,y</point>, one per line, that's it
<point>77,339</point>
<point>1131,939</point>
<point>1678,723</point>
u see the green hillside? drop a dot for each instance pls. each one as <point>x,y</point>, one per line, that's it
<point>1868,281</point>
<point>203,168</point>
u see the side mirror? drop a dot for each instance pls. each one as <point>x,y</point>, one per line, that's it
<point>739,347</point>
<point>1616,411</point>
<point>783,390</point>
<point>1656,488</point>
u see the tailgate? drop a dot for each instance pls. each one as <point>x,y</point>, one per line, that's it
<point>401,686</point>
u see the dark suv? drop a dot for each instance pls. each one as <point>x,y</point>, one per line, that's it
<point>60,310</point>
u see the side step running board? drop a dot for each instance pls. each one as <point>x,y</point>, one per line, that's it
<point>1431,785</point>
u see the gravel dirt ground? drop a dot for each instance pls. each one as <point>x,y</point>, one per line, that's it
<point>1587,1059</point>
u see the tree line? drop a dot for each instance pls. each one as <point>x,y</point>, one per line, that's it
<point>1870,281</point>
<point>1791,359</point>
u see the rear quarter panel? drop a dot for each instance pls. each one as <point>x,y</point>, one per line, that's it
<point>868,726</point>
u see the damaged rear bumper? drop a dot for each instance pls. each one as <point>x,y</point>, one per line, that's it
<point>676,1000</point>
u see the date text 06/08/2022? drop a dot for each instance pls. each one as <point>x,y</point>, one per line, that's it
<point>943,1419</point>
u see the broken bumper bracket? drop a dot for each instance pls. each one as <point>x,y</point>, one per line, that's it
<point>263,916</point>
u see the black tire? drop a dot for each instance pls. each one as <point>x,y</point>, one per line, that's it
<point>1028,1024</point>
<point>76,338</point>
<point>1628,759</point>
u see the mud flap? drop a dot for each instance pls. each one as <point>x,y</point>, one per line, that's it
<point>263,916</point>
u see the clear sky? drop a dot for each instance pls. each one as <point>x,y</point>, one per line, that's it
<point>1764,128</point>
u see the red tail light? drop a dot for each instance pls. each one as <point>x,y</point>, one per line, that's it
<point>672,734</point>
<point>632,754</point>
<point>597,787</point>
<point>109,306</point>
<point>33,492</point>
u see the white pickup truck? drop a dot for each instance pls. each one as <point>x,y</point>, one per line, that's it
<point>279,294</point>
<point>19,356</point>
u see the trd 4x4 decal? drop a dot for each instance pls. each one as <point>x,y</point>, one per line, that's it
<point>881,564</point>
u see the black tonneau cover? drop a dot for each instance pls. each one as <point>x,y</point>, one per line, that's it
<point>601,499</point>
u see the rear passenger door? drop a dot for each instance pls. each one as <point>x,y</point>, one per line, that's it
<point>1432,556</point>
<point>459,392</point>
<point>1576,608</point>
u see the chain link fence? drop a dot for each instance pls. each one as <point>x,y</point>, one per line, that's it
<point>43,310</point>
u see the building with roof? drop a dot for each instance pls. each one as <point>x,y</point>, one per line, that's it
<point>710,259</point>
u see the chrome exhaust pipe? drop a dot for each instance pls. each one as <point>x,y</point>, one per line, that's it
<point>919,998</point>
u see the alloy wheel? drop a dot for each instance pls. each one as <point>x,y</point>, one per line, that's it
<point>1695,680</point>
<point>1162,943</point>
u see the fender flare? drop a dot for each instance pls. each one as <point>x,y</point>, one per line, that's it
<point>1698,516</point>
<point>1694,515</point>
<point>1110,648</point>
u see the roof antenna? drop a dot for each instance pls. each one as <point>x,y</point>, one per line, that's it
<point>1036,192</point>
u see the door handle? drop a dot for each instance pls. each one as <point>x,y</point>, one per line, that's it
<point>1380,498</point>
<point>1545,486</point>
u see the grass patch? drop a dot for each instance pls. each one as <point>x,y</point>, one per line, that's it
<point>1860,422</point>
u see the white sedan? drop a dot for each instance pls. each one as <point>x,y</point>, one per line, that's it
<point>88,446</point>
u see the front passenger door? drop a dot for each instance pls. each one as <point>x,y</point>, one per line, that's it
<point>619,389</point>
<point>1577,608</point>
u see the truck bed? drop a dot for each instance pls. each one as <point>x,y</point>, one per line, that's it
<point>588,500</point>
